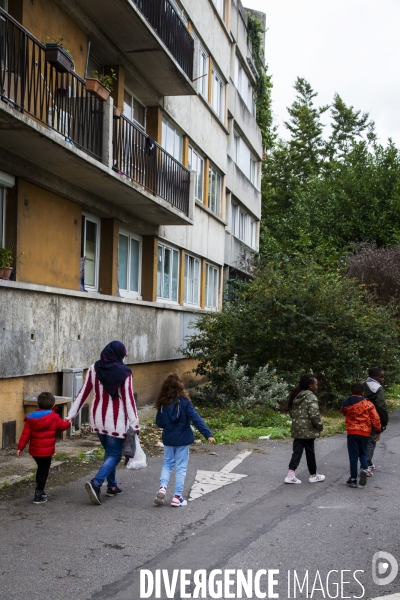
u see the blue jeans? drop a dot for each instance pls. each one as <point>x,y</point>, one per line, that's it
<point>175,456</point>
<point>357,447</point>
<point>113,454</point>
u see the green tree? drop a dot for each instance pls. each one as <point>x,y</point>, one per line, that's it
<point>306,143</point>
<point>348,126</point>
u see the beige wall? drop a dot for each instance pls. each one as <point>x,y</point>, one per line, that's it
<point>44,19</point>
<point>49,238</point>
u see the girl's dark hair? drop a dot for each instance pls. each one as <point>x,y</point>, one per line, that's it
<point>304,384</point>
<point>171,389</point>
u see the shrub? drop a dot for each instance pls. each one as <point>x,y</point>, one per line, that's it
<point>299,319</point>
<point>237,389</point>
<point>377,268</point>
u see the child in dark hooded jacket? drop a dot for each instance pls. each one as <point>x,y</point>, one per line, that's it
<point>174,415</point>
<point>40,431</point>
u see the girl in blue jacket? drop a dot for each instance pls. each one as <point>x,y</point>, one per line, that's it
<point>174,414</point>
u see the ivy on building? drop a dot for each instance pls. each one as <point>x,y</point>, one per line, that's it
<point>263,98</point>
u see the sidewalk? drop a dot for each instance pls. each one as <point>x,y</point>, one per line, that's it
<point>14,470</point>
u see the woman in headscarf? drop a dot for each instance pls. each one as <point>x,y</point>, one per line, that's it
<point>112,411</point>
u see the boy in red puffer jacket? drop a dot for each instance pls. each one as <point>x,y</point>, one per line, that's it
<point>40,431</point>
<point>361,419</point>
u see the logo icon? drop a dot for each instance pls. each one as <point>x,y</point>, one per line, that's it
<point>381,574</point>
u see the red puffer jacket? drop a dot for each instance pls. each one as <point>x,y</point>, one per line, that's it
<point>40,431</point>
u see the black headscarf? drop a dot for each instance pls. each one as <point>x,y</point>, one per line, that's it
<point>110,369</point>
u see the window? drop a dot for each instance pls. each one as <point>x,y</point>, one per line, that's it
<point>252,170</point>
<point>234,218</point>
<point>244,86</point>
<point>202,78</point>
<point>196,163</point>
<point>252,234</point>
<point>129,263</point>
<point>171,140</point>
<point>236,145</point>
<point>214,191</point>
<point>219,5</point>
<point>211,286</point>
<point>217,100</point>
<point>242,226</point>
<point>90,251</point>
<point>192,280</point>
<point>167,273</point>
<point>133,110</point>
<point>2,215</point>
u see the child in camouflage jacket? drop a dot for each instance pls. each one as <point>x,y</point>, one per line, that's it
<point>306,426</point>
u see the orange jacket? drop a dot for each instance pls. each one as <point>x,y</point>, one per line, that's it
<point>361,416</point>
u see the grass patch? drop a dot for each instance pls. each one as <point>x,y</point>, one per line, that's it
<point>60,456</point>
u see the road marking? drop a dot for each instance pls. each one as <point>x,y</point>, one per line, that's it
<point>208,481</point>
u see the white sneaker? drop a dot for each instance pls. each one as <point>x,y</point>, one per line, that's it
<point>316,478</point>
<point>292,479</point>
<point>159,499</point>
<point>178,501</point>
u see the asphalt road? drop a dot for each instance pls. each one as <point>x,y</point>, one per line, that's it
<point>69,549</point>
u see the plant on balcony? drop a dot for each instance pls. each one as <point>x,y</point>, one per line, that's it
<point>101,85</point>
<point>58,56</point>
<point>6,260</point>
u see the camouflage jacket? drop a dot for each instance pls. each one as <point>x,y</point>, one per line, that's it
<point>306,420</point>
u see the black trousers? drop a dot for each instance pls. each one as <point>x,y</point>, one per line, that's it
<point>298,447</point>
<point>42,473</point>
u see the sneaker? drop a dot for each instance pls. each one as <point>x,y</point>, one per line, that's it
<point>292,479</point>
<point>372,467</point>
<point>113,491</point>
<point>44,493</point>
<point>363,477</point>
<point>39,499</point>
<point>94,492</point>
<point>369,472</point>
<point>316,478</point>
<point>159,499</point>
<point>352,483</point>
<point>178,501</point>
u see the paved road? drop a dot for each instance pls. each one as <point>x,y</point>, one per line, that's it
<point>69,549</point>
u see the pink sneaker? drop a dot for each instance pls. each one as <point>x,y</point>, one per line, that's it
<point>159,499</point>
<point>178,501</point>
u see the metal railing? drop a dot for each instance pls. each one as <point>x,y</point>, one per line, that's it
<point>166,22</point>
<point>137,156</point>
<point>35,87</point>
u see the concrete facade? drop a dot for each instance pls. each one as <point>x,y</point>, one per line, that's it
<point>119,212</point>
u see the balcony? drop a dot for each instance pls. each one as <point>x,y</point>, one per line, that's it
<point>34,87</point>
<point>141,159</point>
<point>151,35</point>
<point>56,134</point>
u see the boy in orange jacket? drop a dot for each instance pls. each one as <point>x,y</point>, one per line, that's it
<point>361,418</point>
<point>40,431</point>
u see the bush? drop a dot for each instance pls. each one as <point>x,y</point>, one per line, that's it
<point>299,319</point>
<point>377,268</point>
<point>236,389</point>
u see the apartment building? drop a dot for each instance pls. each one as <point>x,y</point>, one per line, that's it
<point>124,215</point>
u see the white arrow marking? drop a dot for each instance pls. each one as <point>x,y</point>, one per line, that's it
<point>208,481</point>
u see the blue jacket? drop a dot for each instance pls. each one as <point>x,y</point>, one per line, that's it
<point>175,423</point>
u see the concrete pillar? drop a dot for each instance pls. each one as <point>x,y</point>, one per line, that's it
<point>107,154</point>
<point>192,187</point>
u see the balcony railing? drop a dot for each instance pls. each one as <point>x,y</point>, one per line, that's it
<point>166,22</point>
<point>35,87</point>
<point>137,156</point>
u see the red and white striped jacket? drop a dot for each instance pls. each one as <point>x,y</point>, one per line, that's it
<point>108,416</point>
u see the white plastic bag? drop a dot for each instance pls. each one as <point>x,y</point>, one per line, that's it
<point>139,460</point>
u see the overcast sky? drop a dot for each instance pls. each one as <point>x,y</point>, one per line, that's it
<point>345,46</point>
